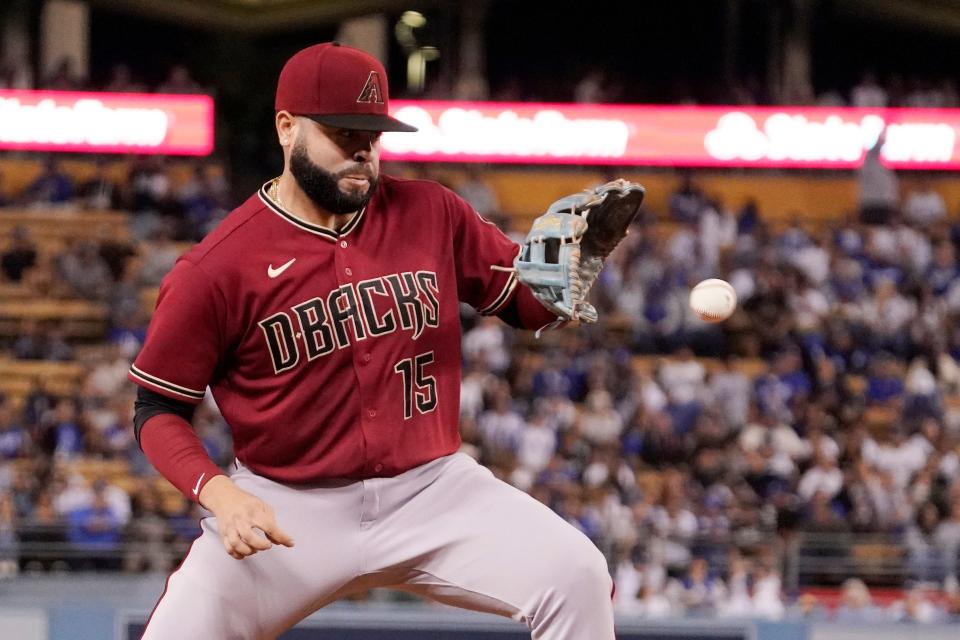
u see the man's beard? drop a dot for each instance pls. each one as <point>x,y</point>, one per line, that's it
<point>321,185</point>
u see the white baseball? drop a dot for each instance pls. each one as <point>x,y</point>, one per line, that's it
<point>713,300</point>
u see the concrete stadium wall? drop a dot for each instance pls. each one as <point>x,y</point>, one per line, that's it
<point>885,632</point>
<point>116,607</point>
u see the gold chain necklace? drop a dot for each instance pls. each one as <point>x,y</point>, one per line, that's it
<point>275,191</point>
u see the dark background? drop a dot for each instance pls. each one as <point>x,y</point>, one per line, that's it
<point>654,52</point>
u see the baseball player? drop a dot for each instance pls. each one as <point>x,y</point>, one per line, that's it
<point>323,315</point>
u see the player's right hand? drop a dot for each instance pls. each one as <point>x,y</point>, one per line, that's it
<point>239,514</point>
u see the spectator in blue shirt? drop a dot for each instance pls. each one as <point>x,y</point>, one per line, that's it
<point>789,368</point>
<point>52,186</point>
<point>13,438</point>
<point>943,271</point>
<point>885,384</point>
<point>687,202</point>
<point>61,434</point>
<point>96,529</point>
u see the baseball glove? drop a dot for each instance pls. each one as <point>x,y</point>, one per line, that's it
<point>565,249</point>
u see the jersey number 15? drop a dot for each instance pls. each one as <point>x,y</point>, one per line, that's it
<point>419,389</point>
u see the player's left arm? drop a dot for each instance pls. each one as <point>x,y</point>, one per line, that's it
<point>567,246</point>
<point>559,261</point>
<point>524,311</point>
<point>486,280</point>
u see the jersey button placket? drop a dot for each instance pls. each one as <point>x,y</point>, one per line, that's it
<point>365,358</point>
<point>370,413</point>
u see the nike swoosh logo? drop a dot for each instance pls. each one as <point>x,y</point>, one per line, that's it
<point>273,273</point>
<point>196,489</point>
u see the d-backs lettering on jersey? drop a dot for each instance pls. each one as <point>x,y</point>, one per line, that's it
<point>317,326</point>
<point>330,353</point>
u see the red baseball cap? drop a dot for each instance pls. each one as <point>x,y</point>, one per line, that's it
<point>338,86</point>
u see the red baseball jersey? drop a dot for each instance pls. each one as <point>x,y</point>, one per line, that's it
<point>330,353</point>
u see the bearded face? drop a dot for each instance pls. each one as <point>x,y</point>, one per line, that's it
<point>324,187</point>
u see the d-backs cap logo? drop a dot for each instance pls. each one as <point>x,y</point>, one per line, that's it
<point>371,90</point>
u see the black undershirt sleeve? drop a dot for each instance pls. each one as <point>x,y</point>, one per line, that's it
<point>511,314</point>
<point>150,403</point>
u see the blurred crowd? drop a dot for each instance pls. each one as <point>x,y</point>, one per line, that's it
<point>19,74</point>
<point>593,85</point>
<point>45,502</point>
<point>596,85</point>
<point>705,461</point>
<point>848,427</point>
<point>895,91</point>
<point>185,210</point>
<point>871,91</point>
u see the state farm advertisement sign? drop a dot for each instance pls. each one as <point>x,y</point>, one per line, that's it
<point>798,137</point>
<point>106,122</point>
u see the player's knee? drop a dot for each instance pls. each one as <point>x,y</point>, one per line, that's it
<point>573,592</point>
<point>594,572</point>
<point>583,572</point>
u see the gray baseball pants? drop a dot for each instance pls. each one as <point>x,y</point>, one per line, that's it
<point>447,530</point>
